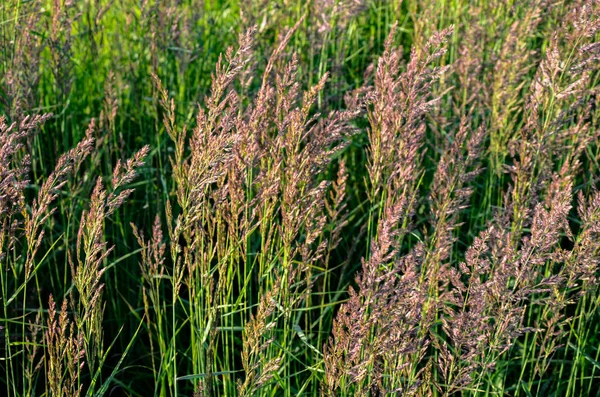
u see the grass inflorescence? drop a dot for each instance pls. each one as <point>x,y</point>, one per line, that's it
<point>299,198</point>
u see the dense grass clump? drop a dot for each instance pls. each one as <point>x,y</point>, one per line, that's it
<point>294,198</point>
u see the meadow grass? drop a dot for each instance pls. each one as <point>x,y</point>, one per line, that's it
<point>299,198</point>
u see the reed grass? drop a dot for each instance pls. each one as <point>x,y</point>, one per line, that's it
<point>299,198</point>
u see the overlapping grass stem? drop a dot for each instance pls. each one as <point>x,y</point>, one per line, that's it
<point>287,198</point>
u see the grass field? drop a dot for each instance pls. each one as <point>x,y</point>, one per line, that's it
<point>299,198</point>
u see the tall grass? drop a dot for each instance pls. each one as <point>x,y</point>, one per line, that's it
<point>292,198</point>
